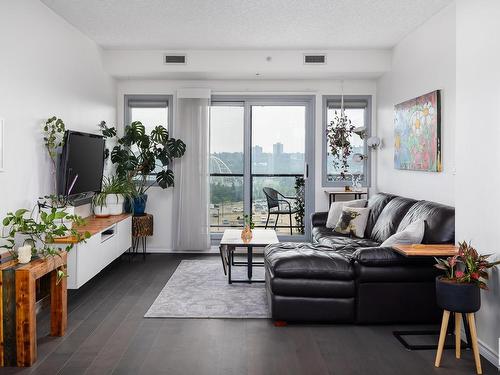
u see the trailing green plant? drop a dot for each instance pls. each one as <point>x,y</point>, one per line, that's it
<point>468,266</point>
<point>338,134</point>
<point>139,155</point>
<point>53,138</point>
<point>40,230</point>
<point>300,203</point>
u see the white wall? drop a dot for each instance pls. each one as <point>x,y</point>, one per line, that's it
<point>477,151</point>
<point>159,201</point>
<point>241,64</point>
<point>422,62</point>
<point>47,68</point>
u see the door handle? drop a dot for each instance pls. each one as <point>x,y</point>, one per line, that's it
<point>306,171</point>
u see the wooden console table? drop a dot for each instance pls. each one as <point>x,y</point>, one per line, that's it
<point>18,294</point>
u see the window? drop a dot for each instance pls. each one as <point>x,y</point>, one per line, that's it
<point>255,143</point>
<point>358,110</point>
<point>226,165</point>
<point>150,110</point>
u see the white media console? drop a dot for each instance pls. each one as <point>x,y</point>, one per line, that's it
<point>110,238</point>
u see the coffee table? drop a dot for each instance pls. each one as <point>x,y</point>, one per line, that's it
<point>231,239</point>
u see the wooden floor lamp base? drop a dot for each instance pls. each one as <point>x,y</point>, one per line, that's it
<point>442,336</point>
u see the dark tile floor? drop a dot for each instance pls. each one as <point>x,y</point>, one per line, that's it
<point>107,334</point>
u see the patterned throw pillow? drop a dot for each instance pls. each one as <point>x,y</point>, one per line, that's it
<point>336,210</point>
<point>352,221</point>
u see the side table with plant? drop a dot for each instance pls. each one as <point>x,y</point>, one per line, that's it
<point>458,291</point>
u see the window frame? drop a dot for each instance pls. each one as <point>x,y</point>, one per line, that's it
<point>309,101</point>
<point>148,101</point>
<point>366,182</point>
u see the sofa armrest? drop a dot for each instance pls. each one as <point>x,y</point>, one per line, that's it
<point>386,256</point>
<point>318,219</point>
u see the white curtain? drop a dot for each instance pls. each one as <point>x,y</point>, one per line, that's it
<point>191,226</point>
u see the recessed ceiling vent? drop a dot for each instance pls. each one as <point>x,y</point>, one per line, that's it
<point>175,59</point>
<point>314,59</point>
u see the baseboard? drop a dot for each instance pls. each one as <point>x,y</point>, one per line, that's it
<point>489,354</point>
<point>156,250</point>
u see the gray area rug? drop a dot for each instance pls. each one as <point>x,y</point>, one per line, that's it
<point>199,289</point>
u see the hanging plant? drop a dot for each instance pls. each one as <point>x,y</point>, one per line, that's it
<point>338,134</point>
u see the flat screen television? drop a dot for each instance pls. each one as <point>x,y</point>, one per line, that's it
<point>81,164</point>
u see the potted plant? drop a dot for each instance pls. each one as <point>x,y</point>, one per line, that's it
<point>458,290</point>
<point>338,134</point>
<point>144,159</point>
<point>38,232</point>
<point>112,196</point>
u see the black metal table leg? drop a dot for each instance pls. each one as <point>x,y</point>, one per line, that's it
<point>249,260</point>
<point>230,250</point>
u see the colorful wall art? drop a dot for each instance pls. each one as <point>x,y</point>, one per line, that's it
<point>417,134</point>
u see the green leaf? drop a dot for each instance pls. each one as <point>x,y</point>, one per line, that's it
<point>21,212</point>
<point>60,215</point>
<point>165,178</point>
<point>159,134</point>
<point>175,147</point>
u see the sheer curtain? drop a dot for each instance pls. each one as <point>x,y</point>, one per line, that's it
<point>191,226</point>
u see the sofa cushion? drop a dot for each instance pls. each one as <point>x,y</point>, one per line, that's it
<point>376,204</point>
<point>439,221</point>
<point>338,242</point>
<point>319,288</point>
<point>390,217</point>
<point>336,209</point>
<point>386,256</point>
<point>412,234</point>
<point>308,261</point>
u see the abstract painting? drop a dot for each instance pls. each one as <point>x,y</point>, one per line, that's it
<point>417,134</point>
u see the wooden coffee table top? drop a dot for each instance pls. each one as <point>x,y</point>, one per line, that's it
<point>426,250</point>
<point>261,237</point>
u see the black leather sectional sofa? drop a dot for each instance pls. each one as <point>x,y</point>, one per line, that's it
<point>343,279</point>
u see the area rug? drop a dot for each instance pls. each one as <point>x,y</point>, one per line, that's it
<point>199,289</point>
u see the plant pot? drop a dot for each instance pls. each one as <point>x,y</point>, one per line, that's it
<point>70,210</point>
<point>101,211</point>
<point>114,202</point>
<point>139,204</point>
<point>457,297</point>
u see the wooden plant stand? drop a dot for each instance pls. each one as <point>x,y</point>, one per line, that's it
<point>18,304</point>
<point>442,336</point>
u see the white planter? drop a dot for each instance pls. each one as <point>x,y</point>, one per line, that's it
<point>101,211</point>
<point>114,202</point>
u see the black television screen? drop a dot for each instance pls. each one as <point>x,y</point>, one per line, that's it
<point>82,163</point>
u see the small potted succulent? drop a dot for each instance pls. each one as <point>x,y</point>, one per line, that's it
<point>458,290</point>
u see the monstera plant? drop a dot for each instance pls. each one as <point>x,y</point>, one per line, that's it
<point>144,159</point>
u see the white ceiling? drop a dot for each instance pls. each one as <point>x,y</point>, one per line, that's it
<point>246,24</point>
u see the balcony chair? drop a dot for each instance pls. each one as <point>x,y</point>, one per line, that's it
<point>275,202</point>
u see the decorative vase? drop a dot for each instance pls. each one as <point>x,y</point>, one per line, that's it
<point>140,204</point>
<point>246,233</point>
<point>101,211</point>
<point>24,254</point>
<point>457,297</point>
<point>114,202</point>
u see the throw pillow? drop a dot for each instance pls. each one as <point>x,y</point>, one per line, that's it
<point>336,210</point>
<point>412,234</point>
<point>353,221</point>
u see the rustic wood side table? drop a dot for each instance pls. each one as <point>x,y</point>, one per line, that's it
<point>18,297</point>
<point>142,228</point>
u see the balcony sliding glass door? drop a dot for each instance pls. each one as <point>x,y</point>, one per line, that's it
<point>258,146</point>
